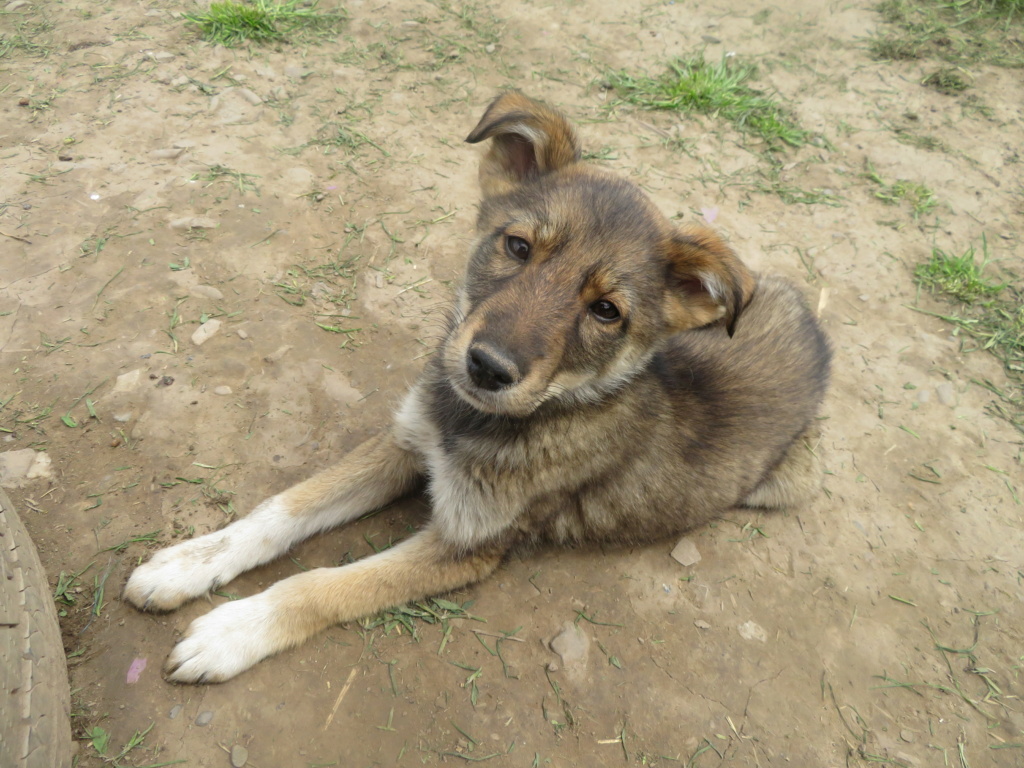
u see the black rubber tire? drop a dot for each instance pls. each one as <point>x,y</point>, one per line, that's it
<point>35,700</point>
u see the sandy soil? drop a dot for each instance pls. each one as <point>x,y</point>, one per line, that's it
<point>151,182</point>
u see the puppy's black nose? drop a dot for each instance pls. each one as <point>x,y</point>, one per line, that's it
<point>489,369</point>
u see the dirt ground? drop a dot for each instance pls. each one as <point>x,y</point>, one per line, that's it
<point>317,200</point>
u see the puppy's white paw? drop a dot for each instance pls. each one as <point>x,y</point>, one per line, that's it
<point>180,573</point>
<point>226,641</point>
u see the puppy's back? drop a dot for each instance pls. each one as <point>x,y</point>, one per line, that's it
<point>757,390</point>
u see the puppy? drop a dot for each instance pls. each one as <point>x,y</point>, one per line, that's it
<point>603,376</point>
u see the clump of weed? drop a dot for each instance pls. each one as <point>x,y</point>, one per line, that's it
<point>221,173</point>
<point>947,80</point>
<point>920,199</point>
<point>893,49</point>
<point>990,312</point>
<point>261,21</point>
<point>720,90</point>
<point>433,611</point>
<point>961,32</point>
<point>958,276</point>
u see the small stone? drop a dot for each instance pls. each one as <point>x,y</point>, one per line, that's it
<point>206,292</point>
<point>222,390</point>
<point>490,48</point>
<point>206,331</point>
<point>175,711</point>
<point>685,552</point>
<point>278,353</point>
<point>249,96</point>
<point>11,7</point>
<point>18,467</point>
<point>701,624</point>
<point>945,393</point>
<point>193,222</point>
<point>205,718</point>
<point>166,154</point>
<point>123,418</point>
<point>239,756</point>
<point>41,467</point>
<point>127,382</point>
<point>924,396</point>
<point>242,334</point>
<point>410,24</point>
<point>907,736</point>
<point>751,631</point>
<point>572,646</point>
<point>161,55</point>
<point>863,297</point>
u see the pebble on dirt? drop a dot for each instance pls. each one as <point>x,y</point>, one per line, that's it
<point>750,630</point>
<point>945,393</point>
<point>206,292</point>
<point>249,96</point>
<point>685,552</point>
<point>572,646</point>
<point>239,756</point>
<point>205,718</point>
<point>127,382</point>
<point>17,468</point>
<point>193,222</point>
<point>205,331</point>
<point>222,390</point>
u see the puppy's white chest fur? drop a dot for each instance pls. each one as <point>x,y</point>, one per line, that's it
<point>469,506</point>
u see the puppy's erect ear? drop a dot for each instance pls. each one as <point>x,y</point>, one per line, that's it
<point>529,139</point>
<point>706,281</point>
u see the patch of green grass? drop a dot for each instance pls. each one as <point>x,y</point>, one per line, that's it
<point>958,31</point>
<point>28,37</point>
<point>718,90</point>
<point>242,181</point>
<point>911,139</point>
<point>920,199</point>
<point>433,611</point>
<point>261,21</point>
<point>989,312</point>
<point>894,49</point>
<point>947,80</point>
<point>959,277</point>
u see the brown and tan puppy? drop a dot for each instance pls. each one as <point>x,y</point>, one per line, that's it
<point>603,376</point>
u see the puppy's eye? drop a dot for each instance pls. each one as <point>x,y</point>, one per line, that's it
<point>517,248</point>
<point>605,311</point>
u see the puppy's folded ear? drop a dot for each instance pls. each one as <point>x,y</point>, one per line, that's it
<point>529,139</point>
<point>706,281</point>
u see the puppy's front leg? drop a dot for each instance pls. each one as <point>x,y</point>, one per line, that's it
<point>375,473</point>
<point>236,635</point>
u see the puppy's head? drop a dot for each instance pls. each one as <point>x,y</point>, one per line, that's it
<point>576,278</point>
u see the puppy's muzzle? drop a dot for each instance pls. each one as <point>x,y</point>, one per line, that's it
<point>490,368</point>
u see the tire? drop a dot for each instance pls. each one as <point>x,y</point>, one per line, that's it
<point>35,727</point>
